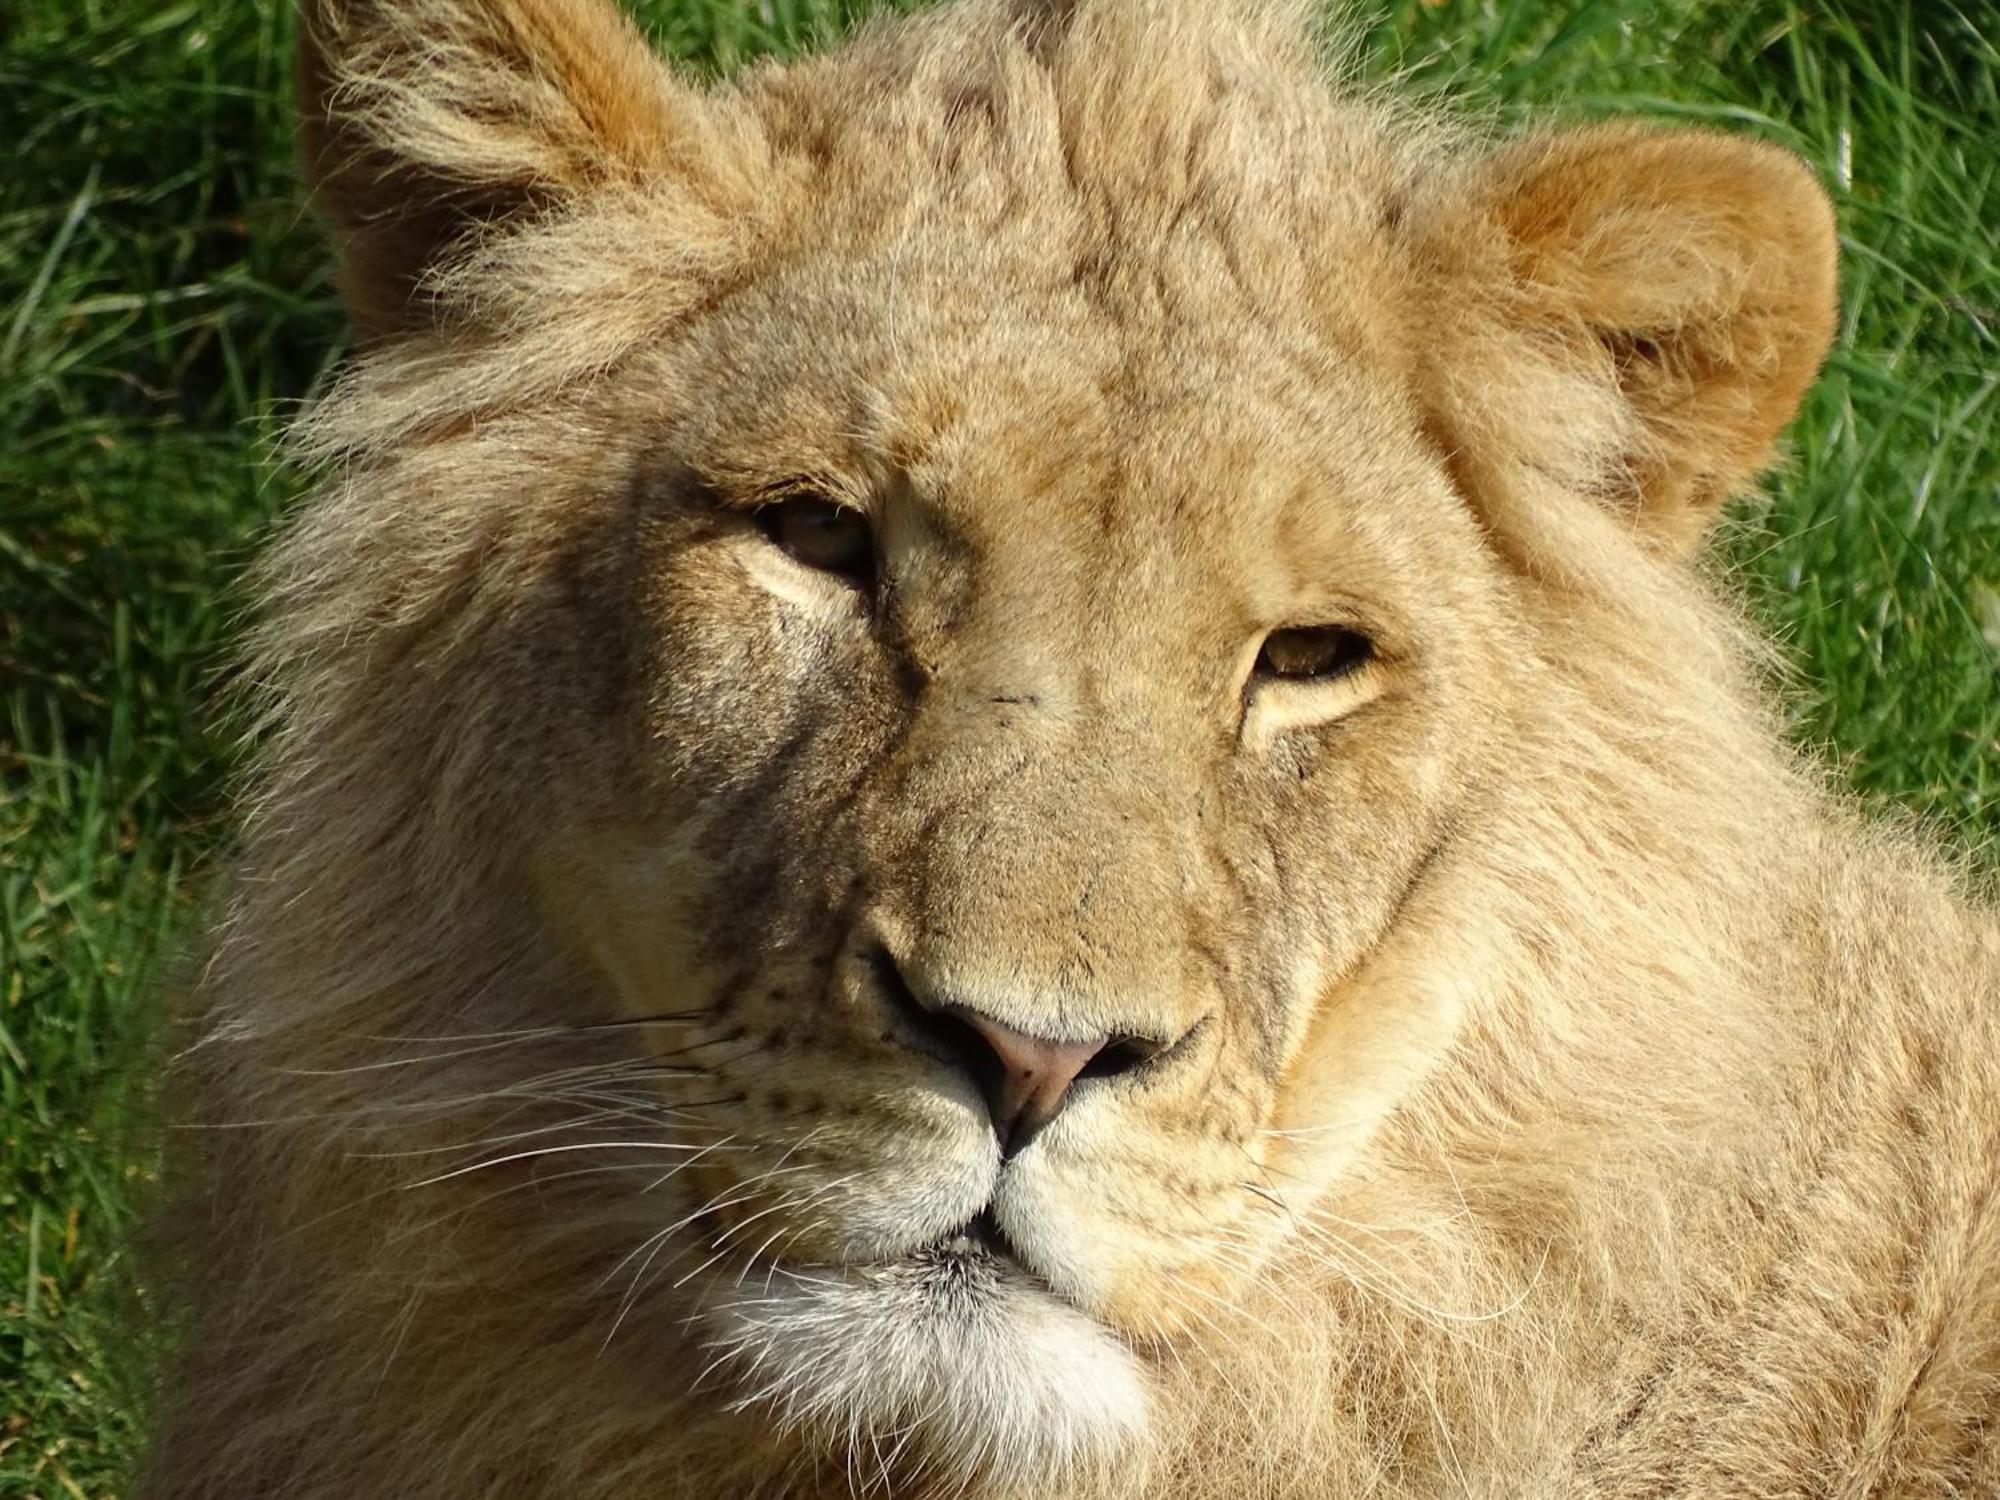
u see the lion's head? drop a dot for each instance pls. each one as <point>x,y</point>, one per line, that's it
<point>909,660</point>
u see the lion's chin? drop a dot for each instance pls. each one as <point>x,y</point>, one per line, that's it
<point>953,1362</point>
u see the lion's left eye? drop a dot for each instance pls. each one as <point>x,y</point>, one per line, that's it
<point>1315,652</point>
<point>820,534</point>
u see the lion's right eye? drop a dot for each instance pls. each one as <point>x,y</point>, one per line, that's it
<point>821,534</point>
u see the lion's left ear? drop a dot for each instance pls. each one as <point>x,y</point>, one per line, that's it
<point>1683,282</point>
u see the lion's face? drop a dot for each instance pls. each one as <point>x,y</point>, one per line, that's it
<point>992,596</point>
<point>1004,657</point>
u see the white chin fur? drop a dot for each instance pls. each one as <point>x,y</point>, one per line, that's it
<point>962,1370</point>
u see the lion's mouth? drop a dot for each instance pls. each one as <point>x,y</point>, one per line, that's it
<point>957,1339</point>
<point>974,1259</point>
<point>979,1237</point>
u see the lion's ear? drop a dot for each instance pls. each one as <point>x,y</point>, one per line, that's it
<point>1685,283</point>
<point>428,123</point>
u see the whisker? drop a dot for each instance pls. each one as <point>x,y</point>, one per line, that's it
<point>537,1033</point>
<point>500,1161</point>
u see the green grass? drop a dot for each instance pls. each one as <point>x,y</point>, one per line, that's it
<point>164,303</point>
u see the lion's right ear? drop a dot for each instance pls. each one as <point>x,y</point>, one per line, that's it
<point>428,124</point>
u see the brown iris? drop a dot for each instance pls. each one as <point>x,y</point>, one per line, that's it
<point>1313,652</point>
<point>822,535</point>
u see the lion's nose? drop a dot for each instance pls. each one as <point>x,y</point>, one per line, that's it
<point>1025,1078</point>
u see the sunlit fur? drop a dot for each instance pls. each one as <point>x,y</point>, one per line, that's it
<point>1568,1095</point>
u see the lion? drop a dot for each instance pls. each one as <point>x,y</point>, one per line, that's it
<point>998,765</point>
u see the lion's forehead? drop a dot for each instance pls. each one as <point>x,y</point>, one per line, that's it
<point>1045,426</point>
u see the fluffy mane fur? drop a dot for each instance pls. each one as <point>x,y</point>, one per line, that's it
<point>1644,1144</point>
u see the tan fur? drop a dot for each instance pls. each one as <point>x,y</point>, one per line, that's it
<point>1570,1098</point>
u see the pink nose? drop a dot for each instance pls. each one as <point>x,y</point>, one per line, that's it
<point>1027,1077</point>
